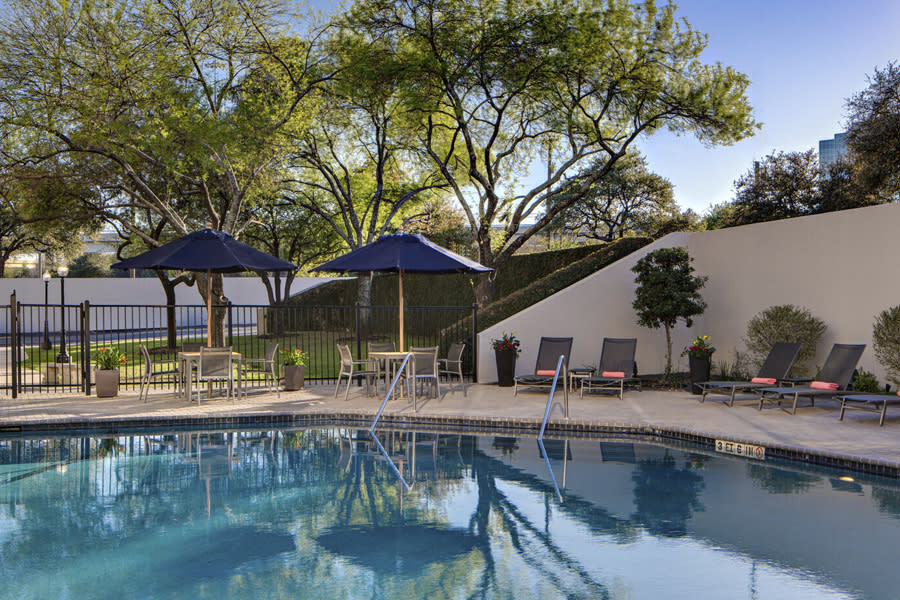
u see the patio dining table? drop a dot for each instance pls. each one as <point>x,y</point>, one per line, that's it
<point>187,361</point>
<point>392,360</point>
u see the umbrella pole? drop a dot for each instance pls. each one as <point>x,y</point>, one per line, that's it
<point>209,308</point>
<point>400,292</point>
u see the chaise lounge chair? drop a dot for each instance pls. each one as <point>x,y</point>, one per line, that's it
<point>774,369</point>
<point>833,379</point>
<point>549,352</point>
<point>616,367</point>
<point>876,403</point>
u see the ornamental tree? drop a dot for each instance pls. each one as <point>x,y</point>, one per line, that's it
<point>667,290</point>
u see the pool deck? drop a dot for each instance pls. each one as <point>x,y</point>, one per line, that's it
<point>812,431</point>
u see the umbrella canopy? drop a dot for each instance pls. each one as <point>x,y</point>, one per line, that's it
<point>207,250</point>
<point>402,253</point>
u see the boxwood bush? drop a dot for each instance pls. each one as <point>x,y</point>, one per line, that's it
<point>785,323</point>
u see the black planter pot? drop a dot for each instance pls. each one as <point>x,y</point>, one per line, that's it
<point>700,368</point>
<point>506,367</point>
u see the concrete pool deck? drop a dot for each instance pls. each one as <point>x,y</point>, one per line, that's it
<point>814,430</point>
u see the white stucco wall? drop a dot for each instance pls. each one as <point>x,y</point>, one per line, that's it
<point>844,267</point>
<point>137,291</point>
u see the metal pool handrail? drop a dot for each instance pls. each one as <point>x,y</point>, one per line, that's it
<point>390,462</point>
<point>390,391</point>
<point>550,398</point>
<point>550,469</point>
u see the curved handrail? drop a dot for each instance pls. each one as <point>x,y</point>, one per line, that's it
<point>390,391</point>
<point>559,365</point>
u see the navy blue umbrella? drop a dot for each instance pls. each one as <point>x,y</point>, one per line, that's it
<point>402,253</point>
<point>207,250</point>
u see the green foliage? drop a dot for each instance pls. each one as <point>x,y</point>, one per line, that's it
<point>109,358</point>
<point>865,381</point>
<point>886,341</point>
<point>784,323</point>
<point>874,133</point>
<point>736,370</point>
<point>91,265</point>
<point>667,290</point>
<point>294,357</point>
<point>571,84</point>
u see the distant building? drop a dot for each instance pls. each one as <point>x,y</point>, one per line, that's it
<point>832,150</point>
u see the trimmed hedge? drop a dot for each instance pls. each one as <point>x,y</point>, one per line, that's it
<point>444,290</point>
<point>557,280</point>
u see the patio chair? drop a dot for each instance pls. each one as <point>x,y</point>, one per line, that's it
<point>773,370</point>
<point>151,372</point>
<point>616,368</point>
<point>352,369</point>
<point>263,366</point>
<point>833,379</point>
<point>425,368</point>
<point>452,365</point>
<point>215,365</point>
<point>549,351</point>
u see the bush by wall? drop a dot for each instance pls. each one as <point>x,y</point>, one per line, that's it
<point>785,323</point>
<point>886,341</point>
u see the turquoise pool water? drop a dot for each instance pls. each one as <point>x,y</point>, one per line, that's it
<point>320,513</point>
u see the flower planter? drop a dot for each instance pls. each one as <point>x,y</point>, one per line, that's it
<point>700,368</point>
<point>293,377</point>
<point>506,367</point>
<point>106,383</point>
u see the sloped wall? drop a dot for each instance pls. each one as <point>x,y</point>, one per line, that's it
<point>844,267</point>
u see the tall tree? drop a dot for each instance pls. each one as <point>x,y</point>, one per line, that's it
<point>502,86</point>
<point>780,186</point>
<point>667,290</point>
<point>175,101</point>
<point>874,132</point>
<point>629,198</point>
<point>356,167</point>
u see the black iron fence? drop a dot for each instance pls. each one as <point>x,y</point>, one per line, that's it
<point>51,348</point>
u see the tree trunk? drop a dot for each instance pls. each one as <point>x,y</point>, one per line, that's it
<point>484,289</point>
<point>668,350</point>
<point>171,325</point>
<point>364,299</point>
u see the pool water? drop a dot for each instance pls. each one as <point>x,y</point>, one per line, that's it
<point>323,513</point>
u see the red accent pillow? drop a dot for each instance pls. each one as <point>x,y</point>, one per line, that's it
<point>614,374</point>
<point>547,372</point>
<point>765,380</point>
<point>823,385</point>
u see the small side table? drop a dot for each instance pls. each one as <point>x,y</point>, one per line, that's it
<point>577,374</point>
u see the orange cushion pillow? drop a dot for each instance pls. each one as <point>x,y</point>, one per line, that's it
<point>823,385</point>
<point>547,372</point>
<point>765,380</point>
<point>614,374</point>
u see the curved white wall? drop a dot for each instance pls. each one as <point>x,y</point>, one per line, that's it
<point>843,266</point>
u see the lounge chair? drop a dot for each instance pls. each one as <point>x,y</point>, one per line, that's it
<point>549,351</point>
<point>876,403</point>
<point>774,369</point>
<point>833,379</point>
<point>616,367</point>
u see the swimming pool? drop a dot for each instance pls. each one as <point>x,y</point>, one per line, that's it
<point>320,513</point>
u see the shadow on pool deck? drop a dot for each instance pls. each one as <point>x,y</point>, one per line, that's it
<point>816,429</point>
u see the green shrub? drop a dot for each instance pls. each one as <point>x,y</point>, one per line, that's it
<point>736,370</point>
<point>886,340</point>
<point>864,381</point>
<point>784,323</point>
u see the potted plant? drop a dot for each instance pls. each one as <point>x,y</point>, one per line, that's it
<point>506,351</point>
<point>106,376</point>
<point>699,354</point>
<point>294,363</point>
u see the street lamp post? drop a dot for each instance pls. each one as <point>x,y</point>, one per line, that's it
<point>63,356</point>
<point>46,345</point>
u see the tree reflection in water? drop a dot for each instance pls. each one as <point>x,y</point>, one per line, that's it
<point>665,496</point>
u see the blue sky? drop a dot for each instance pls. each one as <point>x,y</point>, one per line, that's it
<point>804,59</point>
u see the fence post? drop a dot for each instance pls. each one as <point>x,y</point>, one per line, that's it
<point>474,342</point>
<point>358,334</point>
<point>230,326</point>
<point>86,347</point>
<point>14,343</point>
